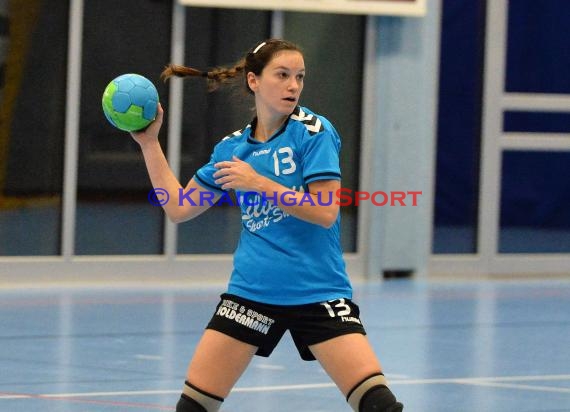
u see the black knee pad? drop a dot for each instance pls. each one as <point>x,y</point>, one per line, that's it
<point>379,399</point>
<point>372,395</point>
<point>194,399</point>
<point>186,404</point>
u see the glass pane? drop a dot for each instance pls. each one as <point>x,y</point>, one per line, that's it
<point>333,84</point>
<point>536,122</point>
<point>538,55</point>
<point>32,117</point>
<point>214,37</point>
<point>535,195</point>
<point>459,127</point>
<point>113,212</point>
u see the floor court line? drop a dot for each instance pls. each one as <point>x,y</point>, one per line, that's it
<point>475,380</point>
<point>73,399</point>
<point>518,386</point>
<point>497,381</point>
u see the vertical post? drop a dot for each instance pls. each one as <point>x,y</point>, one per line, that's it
<point>73,100</point>
<point>277,24</point>
<point>489,194</point>
<point>175,118</point>
<point>368,147</point>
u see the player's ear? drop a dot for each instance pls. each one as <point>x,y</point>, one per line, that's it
<point>252,81</point>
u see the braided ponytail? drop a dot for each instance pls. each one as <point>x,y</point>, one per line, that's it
<point>179,71</point>
<point>221,75</point>
<point>254,61</point>
<point>215,77</point>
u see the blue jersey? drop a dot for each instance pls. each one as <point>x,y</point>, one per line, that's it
<point>281,259</point>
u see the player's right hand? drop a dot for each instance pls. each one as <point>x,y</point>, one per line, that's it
<point>150,133</point>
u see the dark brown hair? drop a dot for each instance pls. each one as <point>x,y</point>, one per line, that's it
<point>254,61</point>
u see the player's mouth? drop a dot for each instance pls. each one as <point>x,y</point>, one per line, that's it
<point>290,99</point>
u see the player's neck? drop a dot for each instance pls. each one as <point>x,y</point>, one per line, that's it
<point>267,126</point>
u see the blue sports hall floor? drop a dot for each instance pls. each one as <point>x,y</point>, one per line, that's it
<point>445,346</point>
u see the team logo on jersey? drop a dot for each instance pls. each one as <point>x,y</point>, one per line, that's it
<point>261,152</point>
<point>311,122</point>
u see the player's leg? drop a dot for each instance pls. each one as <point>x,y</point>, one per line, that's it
<point>218,362</point>
<point>351,363</point>
<point>216,366</point>
<point>238,330</point>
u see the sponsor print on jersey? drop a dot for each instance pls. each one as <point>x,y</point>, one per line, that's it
<point>244,316</point>
<point>259,210</point>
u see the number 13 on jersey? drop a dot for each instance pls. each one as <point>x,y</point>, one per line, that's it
<point>283,162</point>
<point>338,309</point>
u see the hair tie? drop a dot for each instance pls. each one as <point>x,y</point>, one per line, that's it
<point>259,47</point>
<point>204,74</point>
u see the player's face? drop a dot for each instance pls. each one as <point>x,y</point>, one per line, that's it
<point>280,84</point>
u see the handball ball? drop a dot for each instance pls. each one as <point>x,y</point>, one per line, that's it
<point>130,102</point>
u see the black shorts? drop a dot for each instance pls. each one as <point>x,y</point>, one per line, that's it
<point>263,325</point>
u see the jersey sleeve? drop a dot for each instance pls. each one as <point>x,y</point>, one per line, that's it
<point>205,175</point>
<point>321,153</point>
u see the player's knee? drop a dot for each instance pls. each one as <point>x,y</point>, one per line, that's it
<point>194,399</point>
<point>186,404</point>
<point>379,399</point>
<point>373,395</point>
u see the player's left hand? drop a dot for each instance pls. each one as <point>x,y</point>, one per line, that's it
<point>236,174</point>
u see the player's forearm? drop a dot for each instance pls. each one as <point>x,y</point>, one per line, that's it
<point>161,176</point>
<point>318,208</point>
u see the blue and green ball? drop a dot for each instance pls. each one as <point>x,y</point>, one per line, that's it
<point>130,102</point>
